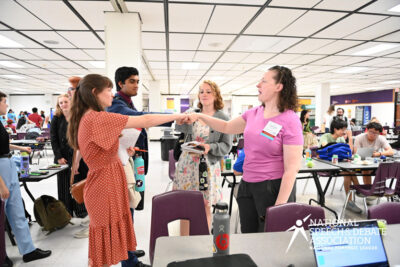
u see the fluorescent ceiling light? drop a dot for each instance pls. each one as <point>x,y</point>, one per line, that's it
<point>11,64</point>
<point>391,82</point>
<point>350,70</point>
<point>375,49</point>
<point>190,66</point>
<point>395,9</point>
<point>12,76</point>
<point>7,42</point>
<point>98,64</point>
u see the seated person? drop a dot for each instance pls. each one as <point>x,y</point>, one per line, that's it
<point>10,124</point>
<point>354,126</point>
<point>238,166</point>
<point>337,135</point>
<point>375,119</point>
<point>372,138</point>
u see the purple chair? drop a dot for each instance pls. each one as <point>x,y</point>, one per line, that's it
<point>21,136</point>
<point>240,144</point>
<point>281,218</point>
<point>378,187</point>
<point>314,128</point>
<point>389,211</point>
<point>171,168</point>
<point>177,205</point>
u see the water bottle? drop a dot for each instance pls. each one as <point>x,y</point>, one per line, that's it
<point>308,154</point>
<point>24,168</point>
<point>228,163</point>
<point>138,165</point>
<point>221,229</point>
<point>203,174</point>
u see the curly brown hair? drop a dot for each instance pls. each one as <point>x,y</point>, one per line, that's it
<point>218,102</point>
<point>58,108</point>
<point>83,100</point>
<point>288,96</point>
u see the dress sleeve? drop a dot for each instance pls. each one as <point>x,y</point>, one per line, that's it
<point>106,128</point>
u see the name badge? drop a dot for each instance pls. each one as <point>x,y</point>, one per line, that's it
<point>271,130</point>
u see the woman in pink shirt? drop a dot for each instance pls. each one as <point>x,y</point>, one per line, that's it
<point>273,144</point>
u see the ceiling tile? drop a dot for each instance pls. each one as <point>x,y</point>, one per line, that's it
<point>215,42</point>
<point>368,45</point>
<point>153,40</point>
<point>60,17</point>
<point>82,39</point>
<point>181,55</point>
<point>96,54</point>
<point>382,7</point>
<point>179,41</point>
<point>222,66</point>
<point>43,64</point>
<point>242,67</point>
<point>181,17</point>
<point>263,44</point>
<point>156,55</point>
<point>235,57</point>
<point>73,54</point>
<point>311,22</point>
<point>158,65</point>
<point>381,28</point>
<point>270,20</point>
<point>205,56</point>
<point>65,64</point>
<point>308,45</point>
<point>152,15</point>
<point>22,40</point>
<point>41,36</point>
<point>305,59</point>
<point>335,47</point>
<point>93,12</point>
<point>297,3</point>
<point>349,25</point>
<point>18,53</point>
<point>44,54</point>
<point>394,37</point>
<point>12,14</point>
<point>230,19</point>
<point>4,57</point>
<point>341,4</point>
<point>240,2</point>
<point>257,57</point>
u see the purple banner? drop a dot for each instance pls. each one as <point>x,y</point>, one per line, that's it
<point>364,98</point>
<point>184,104</point>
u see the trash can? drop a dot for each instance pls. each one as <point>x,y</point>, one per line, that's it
<point>168,142</point>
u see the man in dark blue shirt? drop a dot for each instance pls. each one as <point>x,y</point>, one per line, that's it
<point>127,84</point>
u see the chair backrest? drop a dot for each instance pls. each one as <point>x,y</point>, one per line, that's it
<point>355,133</point>
<point>21,136</point>
<point>175,205</point>
<point>386,170</point>
<point>314,151</point>
<point>314,128</point>
<point>389,211</point>
<point>281,218</point>
<point>172,161</point>
<point>240,143</point>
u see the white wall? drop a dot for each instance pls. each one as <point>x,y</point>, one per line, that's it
<point>384,112</point>
<point>26,102</point>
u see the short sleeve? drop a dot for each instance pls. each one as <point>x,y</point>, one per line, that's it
<point>357,142</point>
<point>246,114</point>
<point>293,132</point>
<point>384,142</point>
<point>107,127</point>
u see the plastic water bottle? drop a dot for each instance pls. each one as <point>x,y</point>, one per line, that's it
<point>308,154</point>
<point>203,174</point>
<point>221,227</point>
<point>138,165</point>
<point>24,168</point>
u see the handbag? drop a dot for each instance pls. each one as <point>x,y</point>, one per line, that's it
<point>134,196</point>
<point>76,189</point>
<point>178,145</point>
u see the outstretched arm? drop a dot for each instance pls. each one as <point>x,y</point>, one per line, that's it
<point>234,126</point>
<point>151,120</point>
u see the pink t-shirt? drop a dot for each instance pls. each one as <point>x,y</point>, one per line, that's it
<point>264,157</point>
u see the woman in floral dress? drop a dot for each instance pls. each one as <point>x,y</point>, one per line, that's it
<point>216,145</point>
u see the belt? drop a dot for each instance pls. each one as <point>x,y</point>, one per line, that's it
<point>6,155</point>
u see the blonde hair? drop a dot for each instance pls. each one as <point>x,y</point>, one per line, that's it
<point>218,101</point>
<point>58,108</point>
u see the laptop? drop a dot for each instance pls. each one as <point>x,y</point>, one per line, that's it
<point>365,152</point>
<point>348,244</point>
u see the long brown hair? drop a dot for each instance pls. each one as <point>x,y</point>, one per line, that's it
<point>59,112</point>
<point>218,102</point>
<point>288,94</point>
<point>83,100</point>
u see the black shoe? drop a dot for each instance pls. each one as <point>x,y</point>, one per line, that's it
<point>141,264</point>
<point>139,253</point>
<point>36,255</point>
<point>7,262</point>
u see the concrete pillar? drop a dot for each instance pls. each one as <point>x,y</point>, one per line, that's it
<point>154,106</point>
<point>322,102</point>
<point>123,45</point>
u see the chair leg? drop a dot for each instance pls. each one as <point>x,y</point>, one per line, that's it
<point>305,186</point>
<point>237,222</point>
<point>379,200</point>
<point>341,189</point>
<point>345,205</point>
<point>365,205</point>
<point>333,187</point>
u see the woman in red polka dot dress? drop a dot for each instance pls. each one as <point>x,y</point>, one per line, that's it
<point>95,133</point>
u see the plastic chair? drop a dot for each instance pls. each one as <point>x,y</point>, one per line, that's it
<point>389,211</point>
<point>378,187</point>
<point>177,205</point>
<point>240,144</point>
<point>355,133</point>
<point>21,136</point>
<point>281,218</point>
<point>314,128</point>
<point>171,168</point>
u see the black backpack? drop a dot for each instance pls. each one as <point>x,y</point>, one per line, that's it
<point>51,213</point>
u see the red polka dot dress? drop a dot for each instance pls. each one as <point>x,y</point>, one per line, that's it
<point>111,233</point>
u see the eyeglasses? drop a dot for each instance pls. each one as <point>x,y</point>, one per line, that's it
<point>373,133</point>
<point>71,89</point>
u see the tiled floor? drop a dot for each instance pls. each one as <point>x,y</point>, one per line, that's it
<point>68,251</point>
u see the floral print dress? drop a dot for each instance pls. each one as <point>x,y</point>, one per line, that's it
<point>187,169</point>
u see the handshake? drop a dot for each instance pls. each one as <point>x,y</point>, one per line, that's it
<point>187,118</point>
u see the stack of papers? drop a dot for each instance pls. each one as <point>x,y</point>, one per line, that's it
<point>193,147</point>
<point>128,138</point>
